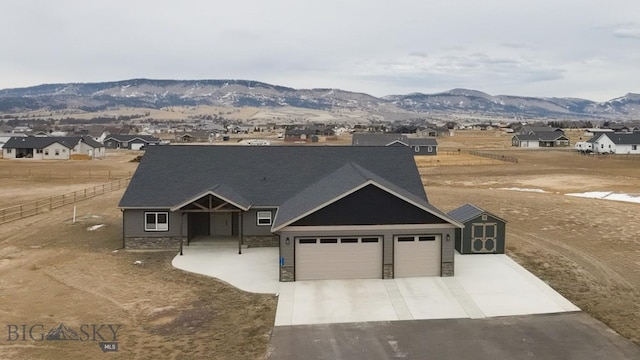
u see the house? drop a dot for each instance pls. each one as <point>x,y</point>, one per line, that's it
<point>614,143</point>
<point>308,134</point>
<point>540,139</point>
<point>420,145</point>
<point>133,142</point>
<point>193,136</point>
<point>483,232</point>
<point>52,148</point>
<point>335,212</point>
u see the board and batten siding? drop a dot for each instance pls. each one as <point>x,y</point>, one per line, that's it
<point>287,252</point>
<point>134,224</point>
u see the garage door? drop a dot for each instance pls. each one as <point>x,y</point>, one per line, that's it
<point>338,258</point>
<point>416,255</point>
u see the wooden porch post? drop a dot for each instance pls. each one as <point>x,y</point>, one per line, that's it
<point>241,233</point>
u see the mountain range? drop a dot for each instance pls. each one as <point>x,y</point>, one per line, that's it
<point>155,94</point>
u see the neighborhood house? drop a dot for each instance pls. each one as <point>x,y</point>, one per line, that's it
<point>419,145</point>
<point>52,148</point>
<point>334,212</point>
<point>131,142</point>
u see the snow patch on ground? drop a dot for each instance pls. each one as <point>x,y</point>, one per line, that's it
<point>95,227</point>
<point>607,195</point>
<point>523,189</point>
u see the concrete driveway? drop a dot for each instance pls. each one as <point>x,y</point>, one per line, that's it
<point>484,286</point>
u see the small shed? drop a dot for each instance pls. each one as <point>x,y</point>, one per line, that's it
<point>483,232</point>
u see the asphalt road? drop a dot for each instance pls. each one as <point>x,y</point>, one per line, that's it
<point>563,336</point>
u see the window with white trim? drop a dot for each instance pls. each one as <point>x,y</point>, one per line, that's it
<point>156,221</point>
<point>9,151</point>
<point>57,151</point>
<point>264,218</point>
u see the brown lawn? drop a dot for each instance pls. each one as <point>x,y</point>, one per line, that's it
<point>53,271</point>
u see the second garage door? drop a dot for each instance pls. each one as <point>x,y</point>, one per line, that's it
<point>350,257</point>
<point>416,255</point>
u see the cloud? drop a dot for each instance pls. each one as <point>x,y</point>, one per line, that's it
<point>627,33</point>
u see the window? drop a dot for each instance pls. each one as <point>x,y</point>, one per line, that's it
<point>307,241</point>
<point>426,238</point>
<point>46,152</point>
<point>417,149</point>
<point>64,150</point>
<point>484,217</point>
<point>9,151</point>
<point>328,241</point>
<point>430,149</point>
<point>57,152</point>
<point>370,240</point>
<point>264,218</point>
<point>406,238</point>
<point>38,151</point>
<point>348,240</point>
<point>156,221</point>
<point>634,147</point>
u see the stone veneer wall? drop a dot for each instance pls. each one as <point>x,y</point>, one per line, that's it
<point>261,241</point>
<point>387,272</point>
<point>447,269</point>
<point>153,243</point>
<point>286,273</point>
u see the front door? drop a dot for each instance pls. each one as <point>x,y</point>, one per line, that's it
<point>221,224</point>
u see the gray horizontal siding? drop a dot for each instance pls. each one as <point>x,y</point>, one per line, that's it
<point>250,222</point>
<point>134,224</point>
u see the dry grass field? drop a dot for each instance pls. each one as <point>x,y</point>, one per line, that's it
<point>587,249</point>
<point>54,271</point>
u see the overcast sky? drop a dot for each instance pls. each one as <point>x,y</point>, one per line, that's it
<point>568,48</point>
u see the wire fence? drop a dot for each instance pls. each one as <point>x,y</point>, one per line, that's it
<point>57,174</point>
<point>33,208</point>
<point>495,156</point>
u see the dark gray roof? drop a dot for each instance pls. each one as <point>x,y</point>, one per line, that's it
<point>337,184</point>
<point>467,212</point>
<point>264,176</point>
<point>220,191</point>
<point>420,141</point>
<point>624,139</point>
<point>37,142</point>
<point>542,136</point>
<point>375,139</point>
<point>128,138</point>
<point>527,137</point>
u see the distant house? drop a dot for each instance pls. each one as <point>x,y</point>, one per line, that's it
<point>193,136</point>
<point>308,134</point>
<point>614,143</point>
<point>540,139</point>
<point>132,142</point>
<point>52,148</point>
<point>4,137</point>
<point>483,232</point>
<point>421,146</point>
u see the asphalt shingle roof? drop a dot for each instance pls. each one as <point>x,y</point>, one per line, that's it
<point>264,176</point>
<point>33,142</point>
<point>384,139</point>
<point>624,139</point>
<point>467,212</point>
<point>127,138</point>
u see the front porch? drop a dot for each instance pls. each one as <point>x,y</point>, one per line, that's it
<point>255,270</point>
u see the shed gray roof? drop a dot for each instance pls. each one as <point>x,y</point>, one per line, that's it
<point>264,176</point>
<point>36,142</point>
<point>467,212</point>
